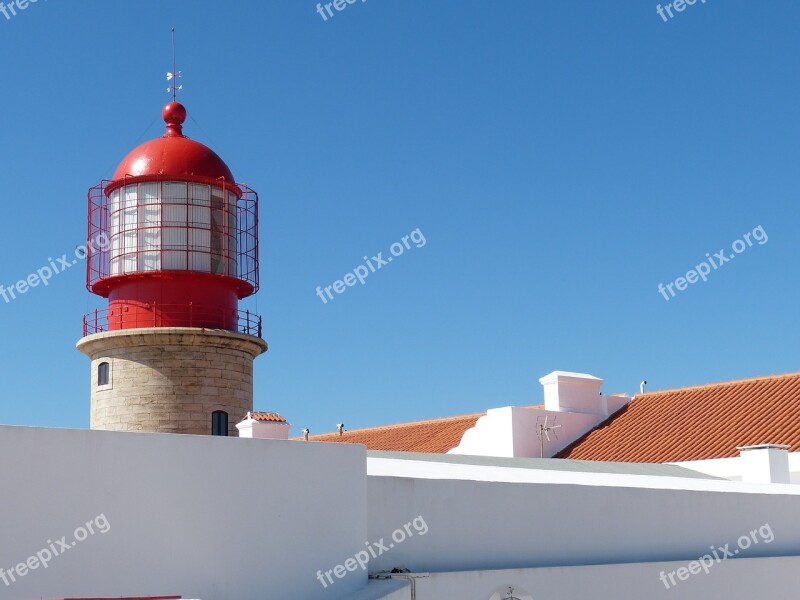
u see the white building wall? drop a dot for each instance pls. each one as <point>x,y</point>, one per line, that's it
<point>573,406</point>
<point>732,468</point>
<point>384,589</point>
<point>492,434</point>
<point>224,518</point>
<point>512,431</point>
<point>205,517</point>
<point>474,525</point>
<point>741,579</point>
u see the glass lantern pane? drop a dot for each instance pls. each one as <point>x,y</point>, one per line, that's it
<point>149,193</point>
<point>149,214</point>
<point>199,239</point>
<point>129,218</point>
<point>129,263</point>
<point>199,216</point>
<point>129,241</point>
<point>174,260</point>
<point>150,238</point>
<point>150,261</point>
<point>200,261</point>
<point>130,197</point>
<point>175,192</point>
<point>174,214</point>
<point>200,194</point>
<point>115,223</point>
<point>174,238</point>
<point>113,201</point>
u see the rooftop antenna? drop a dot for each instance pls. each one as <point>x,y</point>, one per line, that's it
<point>543,430</point>
<point>507,592</point>
<point>641,386</point>
<point>510,594</point>
<point>174,75</point>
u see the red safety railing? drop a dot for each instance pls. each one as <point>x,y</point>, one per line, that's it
<point>171,315</point>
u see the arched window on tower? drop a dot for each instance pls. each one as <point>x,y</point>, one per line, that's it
<point>103,372</point>
<point>219,422</point>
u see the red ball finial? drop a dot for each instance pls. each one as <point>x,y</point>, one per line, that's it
<point>174,114</point>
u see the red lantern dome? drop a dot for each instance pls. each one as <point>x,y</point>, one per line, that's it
<point>177,238</point>
<point>174,155</point>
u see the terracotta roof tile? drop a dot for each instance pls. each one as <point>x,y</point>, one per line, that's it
<point>267,416</point>
<point>696,423</point>
<point>435,436</point>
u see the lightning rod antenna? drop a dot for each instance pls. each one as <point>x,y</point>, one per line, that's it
<point>174,75</point>
<point>174,66</point>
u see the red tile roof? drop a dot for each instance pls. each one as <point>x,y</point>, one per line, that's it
<point>435,435</point>
<point>266,416</point>
<point>695,423</point>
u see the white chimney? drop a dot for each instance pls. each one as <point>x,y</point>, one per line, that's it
<point>573,392</point>
<point>765,463</point>
<point>264,425</point>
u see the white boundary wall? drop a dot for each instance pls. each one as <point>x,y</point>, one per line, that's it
<point>744,579</point>
<point>199,516</point>
<point>732,468</point>
<point>606,518</point>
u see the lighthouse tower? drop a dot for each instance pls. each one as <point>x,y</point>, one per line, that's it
<point>174,247</point>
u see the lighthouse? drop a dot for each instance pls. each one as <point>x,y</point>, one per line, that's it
<point>172,352</point>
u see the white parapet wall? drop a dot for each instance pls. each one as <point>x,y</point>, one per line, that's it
<point>743,579</point>
<point>573,406</point>
<point>216,518</point>
<point>485,517</point>
<point>512,431</point>
<point>736,469</point>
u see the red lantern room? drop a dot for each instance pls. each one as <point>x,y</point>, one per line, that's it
<point>175,239</point>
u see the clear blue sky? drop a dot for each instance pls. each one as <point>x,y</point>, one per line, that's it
<point>561,158</point>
